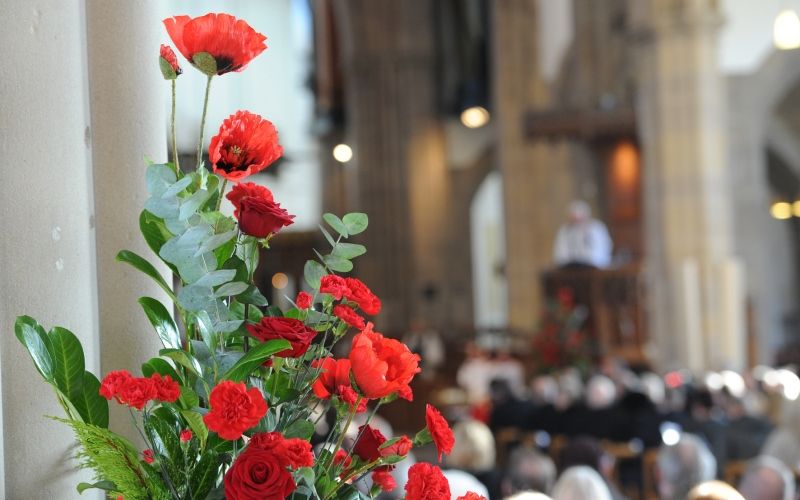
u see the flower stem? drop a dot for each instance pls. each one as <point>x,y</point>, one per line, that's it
<point>203,121</point>
<point>174,138</point>
<point>221,194</point>
<point>344,431</point>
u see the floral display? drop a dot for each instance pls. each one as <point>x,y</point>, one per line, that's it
<point>560,341</point>
<point>229,406</point>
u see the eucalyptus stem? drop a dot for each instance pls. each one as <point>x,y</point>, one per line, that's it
<point>203,121</point>
<point>221,193</point>
<point>174,137</point>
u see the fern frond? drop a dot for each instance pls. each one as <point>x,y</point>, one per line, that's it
<point>115,459</point>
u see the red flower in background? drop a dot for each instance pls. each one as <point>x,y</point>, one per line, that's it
<point>382,366</point>
<point>137,392</point>
<point>400,447</point>
<point>343,459</point>
<point>384,480</point>
<point>234,409</point>
<point>167,389</point>
<point>113,383</point>
<point>244,145</point>
<point>230,41</point>
<point>258,474</point>
<point>440,431</point>
<point>349,316</point>
<point>290,329</point>
<point>358,292</point>
<point>291,452</point>
<point>471,495</point>
<point>334,380</point>
<point>147,456</point>
<point>303,300</point>
<point>426,482</point>
<point>186,435</point>
<point>333,285</point>
<point>168,56</point>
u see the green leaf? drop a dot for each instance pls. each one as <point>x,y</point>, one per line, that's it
<point>160,366</point>
<point>215,242</point>
<point>302,429</point>
<point>336,223</point>
<point>231,289</point>
<point>182,358</point>
<point>196,424</point>
<point>188,398</point>
<point>328,236</point>
<point>100,485</point>
<point>255,358</point>
<point>35,340</point>
<point>355,222</point>
<point>423,437</point>
<point>162,322</point>
<point>204,475</point>
<point>207,333</point>
<point>144,266</point>
<point>337,264</point>
<point>190,205</point>
<point>159,178</point>
<point>252,296</point>
<point>154,230</point>
<point>92,407</point>
<point>205,62</point>
<point>313,273</point>
<point>216,278</point>
<point>69,364</point>
<point>167,445</point>
<point>348,250</point>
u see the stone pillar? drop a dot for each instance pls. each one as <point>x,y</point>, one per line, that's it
<point>683,129</point>
<point>536,174</point>
<point>127,98</point>
<point>47,245</point>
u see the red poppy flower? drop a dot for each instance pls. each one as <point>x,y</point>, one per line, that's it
<point>471,495</point>
<point>384,480</point>
<point>244,145</point>
<point>168,390</point>
<point>333,285</point>
<point>382,366</point>
<point>349,316</point>
<point>334,380</point>
<point>426,482</point>
<point>234,409</point>
<point>358,292</point>
<point>290,329</point>
<point>303,300</point>
<point>230,41</point>
<point>440,431</point>
<point>168,63</point>
<point>258,474</point>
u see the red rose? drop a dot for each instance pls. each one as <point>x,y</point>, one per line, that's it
<point>137,392</point>
<point>349,316</point>
<point>244,145</point>
<point>400,447</point>
<point>168,56</point>
<point>440,432</point>
<point>358,292</point>
<point>303,300</point>
<point>293,452</point>
<point>247,190</point>
<point>230,41</point>
<point>113,383</point>
<point>168,390</point>
<point>368,445</point>
<point>471,495</point>
<point>290,329</point>
<point>147,456</point>
<point>258,474</point>
<point>384,480</point>
<point>426,482</point>
<point>234,409</point>
<point>382,366</point>
<point>333,285</point>
<point>186,435</point>
<point>262,218</point>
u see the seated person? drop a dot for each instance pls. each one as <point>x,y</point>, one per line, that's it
<point>767,478</point>
<point>682,466</point>
<point>580,483</point>
<point>528,470</point>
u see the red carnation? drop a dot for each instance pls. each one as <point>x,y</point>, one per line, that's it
<point>137,392</point>
<point>440,432</point>
<point>234,409</point>
<point>292,452</point>
<point>358,292</point>
<point>334,286</point>
<point>230,41</point>
<point>382,366</point>
<point>147,456</point>
<point>290,329</point>
<point>244,145</point>
<point>384,480</point>
<point>258,474</point>
<point>349,316</point>
<point>113,382</point>
<point>303,300</point>
<point>334,379</point>
<point>168,390</point>
<point>402,446</point>
<point>471,495</point>
<point>343,459</point>
<point>169,63</point>
<point>247,190</point>
<point>426,482</point>
<point>186,435</point>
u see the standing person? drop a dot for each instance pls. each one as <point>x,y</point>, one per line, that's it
<point>582,241</point>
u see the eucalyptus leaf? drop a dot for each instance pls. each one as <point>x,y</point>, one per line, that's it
<point>338,264</point>
<point>215,242</point>
<point>216,278</point>
<point>191,204</point>
<point>336,223</point>
<point>355,222</point>
<point>176,188</point>
<point>348,250</point>
<point>231,289</point>
<point>159,178</point>
<point>313,273</point>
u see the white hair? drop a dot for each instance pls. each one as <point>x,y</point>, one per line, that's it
<point>474,448</point>
<point>528,495</point>
<point>684,465</point>
<point>580,209</point>
<point>754,481</point>
<point>600,392</point>
<point>580,483</point>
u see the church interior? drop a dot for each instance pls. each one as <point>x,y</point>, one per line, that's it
<point>584,216</point>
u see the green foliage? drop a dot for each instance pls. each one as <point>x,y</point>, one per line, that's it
<point>162,322</point>
<point>144,266</point>
<point>255,358</point>
<point>35,340</point>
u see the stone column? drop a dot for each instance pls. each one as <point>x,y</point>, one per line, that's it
<point>683,129</point>
<point>127,97</point>
<point>47,245</point>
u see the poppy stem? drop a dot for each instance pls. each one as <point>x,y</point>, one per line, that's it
<point>221,194</point>
<point>174,139</point>
<point>203,121</point>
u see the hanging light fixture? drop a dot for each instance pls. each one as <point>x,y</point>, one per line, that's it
<point>781,210</point>
<point>343,153</point>
<point>786,30</point>
<point>475,117</point>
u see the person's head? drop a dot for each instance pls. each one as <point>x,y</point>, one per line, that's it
<point>528,495</point>
<point>767,478</point>
<point>500,391</point>
<point>474,449</point>
<point>579,211</point>
<point>585,450</point>
<point>653,386</point>
<point>683,465</point>
<point>699,403</point>
<point>714,490</point>
<point>529,470</point>
<point>600,392</point>
<point>544,389</point>
<point>580,483</point>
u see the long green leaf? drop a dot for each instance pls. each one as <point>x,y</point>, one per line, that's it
<point>92,407</point>
<point>254,358</point>
<point>162,322</point>
<point>69,364</point>
<point>184,359</point>
<point>204,475</point>
<point>147,268</point>
<point>35,340</point>
<point>196,424</point>
<point>160,366</point>
<point>167,445</point>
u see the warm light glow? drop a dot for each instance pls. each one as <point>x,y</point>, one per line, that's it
<point>796,208</point>
<point>734,383</point>
<point>786,30</point>
<point>714,381</point>
<point>475,117</point>
<point>671,436</point>
<point>343,153</point>
<point>790,383</point>
<point>279,281</point>
<point>781,210</point>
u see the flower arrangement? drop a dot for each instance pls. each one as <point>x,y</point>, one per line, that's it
<point>560,341</point>
<point>228,407</point>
